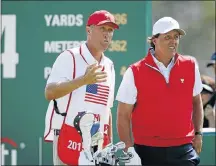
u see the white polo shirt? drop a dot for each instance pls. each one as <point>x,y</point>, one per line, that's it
<point>97,98</point>
<point>129,95</point>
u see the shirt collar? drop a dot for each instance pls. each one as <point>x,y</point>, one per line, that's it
<point>87,56</point>
<point>158,62</point>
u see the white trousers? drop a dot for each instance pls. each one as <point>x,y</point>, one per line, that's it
<point>56,160</point>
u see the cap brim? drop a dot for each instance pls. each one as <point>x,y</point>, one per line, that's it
<point>114,25</point>
<point>181,31</point>
<point>207,88</point>
<point>210,63</point>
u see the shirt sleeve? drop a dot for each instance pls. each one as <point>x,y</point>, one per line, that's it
<point>112,87</point>
<point>127,92</point>
<point>198,82</point>
<point>62,68</point>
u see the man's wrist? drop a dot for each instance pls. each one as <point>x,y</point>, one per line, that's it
<point>198,133</point>
<point>83,80</point>
<point>111,139</point>
<point>128,145</point>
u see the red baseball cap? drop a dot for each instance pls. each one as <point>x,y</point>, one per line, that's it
<point>102,17</point>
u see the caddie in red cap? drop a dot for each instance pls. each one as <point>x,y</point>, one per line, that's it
<point>82,83</point>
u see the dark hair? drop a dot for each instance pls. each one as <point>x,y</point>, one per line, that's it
<point>151,38</point>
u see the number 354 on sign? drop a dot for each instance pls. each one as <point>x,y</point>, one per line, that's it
<point>118,46</point>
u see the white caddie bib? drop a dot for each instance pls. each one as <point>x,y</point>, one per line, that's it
<point>93,98</point>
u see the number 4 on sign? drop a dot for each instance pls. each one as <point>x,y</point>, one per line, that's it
<point>10,57</point>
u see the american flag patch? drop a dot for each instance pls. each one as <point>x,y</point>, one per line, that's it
<point>96,93</point>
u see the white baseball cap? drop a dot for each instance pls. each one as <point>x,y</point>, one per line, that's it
<point>165,25</point>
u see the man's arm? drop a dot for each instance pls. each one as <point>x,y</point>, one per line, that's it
<point>127,98</point>
<point>124,112</point>
<point>59,89</point>
<point>198,113</point>
<point>198,122</point>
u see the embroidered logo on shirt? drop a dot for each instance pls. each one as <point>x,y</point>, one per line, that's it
<point>182,80</point>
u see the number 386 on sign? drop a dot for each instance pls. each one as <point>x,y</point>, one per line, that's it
<point>121,18</point>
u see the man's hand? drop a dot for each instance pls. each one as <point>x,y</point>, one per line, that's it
<point>135,160</point>
<point>197,143</point>
<point>93,76</point>
<point>209,112</point>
